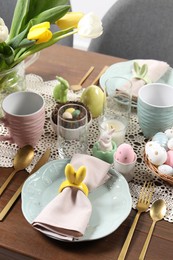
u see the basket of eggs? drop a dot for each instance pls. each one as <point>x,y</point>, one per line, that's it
<point>158,155</point>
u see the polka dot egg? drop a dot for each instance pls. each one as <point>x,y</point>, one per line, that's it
<point>169,133</point>
<point>157,155</point>
<point>151,145</point>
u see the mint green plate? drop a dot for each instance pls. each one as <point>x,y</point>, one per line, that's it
<point>111,202</point>
<point>124,69</point>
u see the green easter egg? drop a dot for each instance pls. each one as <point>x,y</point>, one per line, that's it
<point>76,113</point>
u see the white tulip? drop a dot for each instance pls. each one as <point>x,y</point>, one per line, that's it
<point>90,26</point>
<point>3,31</point>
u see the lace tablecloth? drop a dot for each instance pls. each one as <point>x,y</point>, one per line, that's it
<point>133,136</point>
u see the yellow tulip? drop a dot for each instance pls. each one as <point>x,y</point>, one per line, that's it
<point>70,19</point>
<point>40,32</point>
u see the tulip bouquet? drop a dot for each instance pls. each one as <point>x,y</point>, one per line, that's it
<point>30,30</point>
<point>30,33</point>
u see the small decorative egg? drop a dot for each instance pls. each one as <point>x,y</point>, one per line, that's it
<point>70,110</point>
<point>165,169</point>
<point>169,160</point>
<point>125,153</point>
<point>151,144</point>
<point>161,138</point>
<point>67,115</point>
<point>170,144</point>
<point>157,155</point>
<point>169,133</point>
<point>76,113</point>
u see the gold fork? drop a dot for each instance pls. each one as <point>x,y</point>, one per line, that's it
<point>142,205</point>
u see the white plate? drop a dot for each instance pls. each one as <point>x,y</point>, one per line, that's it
<point>124,69</point>
<point>111,203</point>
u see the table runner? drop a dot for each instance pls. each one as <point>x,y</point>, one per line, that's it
<point>134,136</point>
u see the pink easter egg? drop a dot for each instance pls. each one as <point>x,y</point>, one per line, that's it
<point>169,160</point>
<point>125,153</point>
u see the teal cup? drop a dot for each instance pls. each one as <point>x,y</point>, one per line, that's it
<point>155,108</point>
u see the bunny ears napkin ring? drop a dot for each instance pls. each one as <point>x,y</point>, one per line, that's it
<point>74,178</point>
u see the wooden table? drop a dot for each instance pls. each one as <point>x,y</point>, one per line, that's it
<point>18,240</point>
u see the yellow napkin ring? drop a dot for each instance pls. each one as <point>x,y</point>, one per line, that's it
<point>74,179</point>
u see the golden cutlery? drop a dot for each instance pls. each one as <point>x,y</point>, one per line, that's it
<point>22,159</point>
<point>96,80</point>
<point>44,158</point>
<point>142,205</point>
<point>79,85</point>
<point>157,212</point>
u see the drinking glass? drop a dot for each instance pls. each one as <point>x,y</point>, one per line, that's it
<point>118,107</point>
<point>72,133</point>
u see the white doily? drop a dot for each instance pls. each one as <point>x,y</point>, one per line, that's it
<point>49,139</point>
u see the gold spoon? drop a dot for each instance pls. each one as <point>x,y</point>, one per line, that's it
<point>157,212</point>
<point>22,159</point>
<point>79,85</point>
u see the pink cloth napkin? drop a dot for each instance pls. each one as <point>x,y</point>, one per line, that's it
<point>156,69</point>
<point>67,215</point>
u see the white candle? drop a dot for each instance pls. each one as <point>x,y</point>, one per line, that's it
<point>120,130</point>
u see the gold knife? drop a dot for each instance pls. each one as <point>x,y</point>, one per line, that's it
<point>44,158</point>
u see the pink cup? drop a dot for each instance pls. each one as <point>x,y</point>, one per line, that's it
<point>24,116</point>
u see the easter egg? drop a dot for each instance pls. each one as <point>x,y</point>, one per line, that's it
<point>70,110</point>
<point>169,133</point>
<point>76,113</point>
<point>151,144</point>
<point>161,138</point>
<point>125,153</point>
<point>67,115</point>
<point>169,160</point>
<point>165,169</point>
<point>170,144</point>
<point>157,155</point>
<point>94,98</point>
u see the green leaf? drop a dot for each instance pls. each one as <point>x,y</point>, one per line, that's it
<point>35,7</point>
<point>50,15</point>
<point>6,55</point>
<point>38,47</point>
<point>19,13</point>
<point>26,43</point>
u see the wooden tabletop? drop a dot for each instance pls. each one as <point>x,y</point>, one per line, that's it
<point>18,240</point>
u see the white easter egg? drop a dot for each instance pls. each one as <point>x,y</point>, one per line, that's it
<point>170,144</point>
<point>169,133</point>
<point>165,169</point>
<point>157,155</point>
<point>151,144</point>
<point>67,115</point>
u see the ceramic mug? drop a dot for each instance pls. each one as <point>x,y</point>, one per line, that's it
<point>24,116</point>
<point>155,108</point>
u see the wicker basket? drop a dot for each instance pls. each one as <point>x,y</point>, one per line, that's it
<point>154,169</point>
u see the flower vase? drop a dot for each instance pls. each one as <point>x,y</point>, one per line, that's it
<point>13,79</point>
